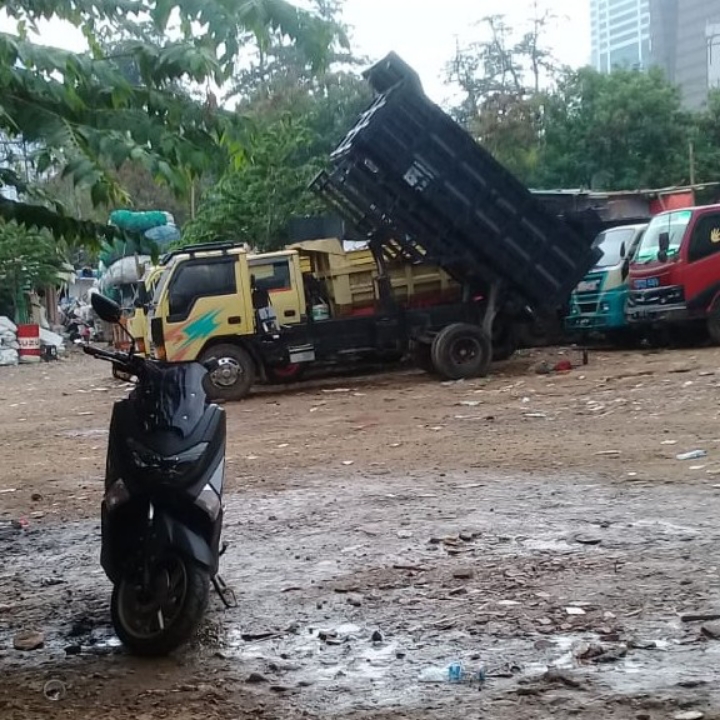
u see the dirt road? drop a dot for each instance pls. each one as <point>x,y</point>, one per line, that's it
<point>382,526</point>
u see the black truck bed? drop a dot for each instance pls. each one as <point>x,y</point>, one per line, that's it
<point>409,176</point>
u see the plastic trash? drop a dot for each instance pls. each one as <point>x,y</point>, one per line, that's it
<point>54,690</point>
<point>454,673</point>
<point>692,455</point>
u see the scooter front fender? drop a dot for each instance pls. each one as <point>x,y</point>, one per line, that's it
<point>169,532</point>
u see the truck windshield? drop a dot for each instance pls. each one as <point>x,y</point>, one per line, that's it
<point>162,282</point>
<point>610,242</point>
<point>674,224</point>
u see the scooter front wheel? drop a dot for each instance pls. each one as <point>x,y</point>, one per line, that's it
<point>156,617</point>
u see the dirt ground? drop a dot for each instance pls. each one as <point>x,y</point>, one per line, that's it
<point>384,525</point>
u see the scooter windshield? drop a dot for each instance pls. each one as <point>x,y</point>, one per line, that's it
<point>171,397</point>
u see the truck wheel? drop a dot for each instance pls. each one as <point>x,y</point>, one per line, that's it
<point>461,351</point>
<point>234,376</point>
<point>713,324</point>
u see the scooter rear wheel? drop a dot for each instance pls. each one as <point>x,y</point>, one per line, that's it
<point>153,621</point>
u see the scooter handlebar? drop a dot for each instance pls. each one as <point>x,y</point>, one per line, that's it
<point>111,355</point>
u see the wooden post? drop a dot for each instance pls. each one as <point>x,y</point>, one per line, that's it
<point>692,162</point>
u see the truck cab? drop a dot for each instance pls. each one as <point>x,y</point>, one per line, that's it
<point>204,298</point>
<point>136,322</point>
<point>598,302</point>
<point>675,274</point>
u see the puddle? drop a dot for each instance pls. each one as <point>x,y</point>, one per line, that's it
<point>324,567</point>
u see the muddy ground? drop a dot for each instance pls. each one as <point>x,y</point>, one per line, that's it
<point>383,525</point>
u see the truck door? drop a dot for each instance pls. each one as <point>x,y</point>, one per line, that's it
<point>202,301</point>
<point>279,276</point>
<point>702,278</point>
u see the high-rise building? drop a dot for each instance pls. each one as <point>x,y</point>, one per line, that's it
<point>620,34</point>
<point>686,44</point>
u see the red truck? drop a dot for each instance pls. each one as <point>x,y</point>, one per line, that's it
<point>674,277</point>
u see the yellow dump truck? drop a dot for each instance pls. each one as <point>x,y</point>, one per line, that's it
<point>347,281</point>
<point>269,316</point>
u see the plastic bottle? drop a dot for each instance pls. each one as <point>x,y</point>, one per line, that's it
<point>692,455</point>
<point>454,673</point>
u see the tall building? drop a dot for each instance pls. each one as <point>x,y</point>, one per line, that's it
<point>620,34</point>
<point>686,44</point>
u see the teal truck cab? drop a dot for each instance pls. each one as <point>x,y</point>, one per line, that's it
<point>597,305</point>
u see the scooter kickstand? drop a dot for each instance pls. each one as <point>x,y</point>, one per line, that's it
<point>227,595</point>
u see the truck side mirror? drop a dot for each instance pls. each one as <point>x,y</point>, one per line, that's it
<point>663,246</point>
<point>623,249</point>
<point>625,268</point>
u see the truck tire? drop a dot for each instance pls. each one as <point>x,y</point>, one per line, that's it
<point>461,351</point>
<point>234,376</point>
<point>713,323</point>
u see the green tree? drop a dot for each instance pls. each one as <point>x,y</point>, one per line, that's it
<point>29,259</point>
<point>706,141</point>
<point>293,115</point>
<point>617,131</point>
<point>501,79</point>
<point>253,202</point>
<point>83,115</point>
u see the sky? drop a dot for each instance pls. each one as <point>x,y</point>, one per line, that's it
<point>423,32</point>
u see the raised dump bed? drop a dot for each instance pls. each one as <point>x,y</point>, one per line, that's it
<point>411,178</point>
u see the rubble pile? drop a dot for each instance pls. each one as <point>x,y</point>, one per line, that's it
<point>8,342</point>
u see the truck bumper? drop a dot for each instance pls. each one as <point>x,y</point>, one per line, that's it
<point>661,305</point>
<point>606,311</point>
<point>658,314</point>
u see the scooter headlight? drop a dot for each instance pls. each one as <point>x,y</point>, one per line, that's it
<point>165,469</point>
<point>209,501</point>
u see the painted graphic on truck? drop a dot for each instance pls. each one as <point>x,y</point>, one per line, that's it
<point>185,341</point>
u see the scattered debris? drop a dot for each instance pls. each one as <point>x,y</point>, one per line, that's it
<point>700,617</point>
<point>711,630</point>
<point>691,455</point>
<point>464,574</point>
<point>256,678</point>
<point>554,675</point>
<point>254,637</point>
<point>54,690</point>
<point>574,611</point>
<point>29,640</point>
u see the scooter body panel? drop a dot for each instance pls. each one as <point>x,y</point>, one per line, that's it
<point>166,451</point>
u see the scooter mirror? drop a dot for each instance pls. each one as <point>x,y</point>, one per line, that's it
<point>107,309</point>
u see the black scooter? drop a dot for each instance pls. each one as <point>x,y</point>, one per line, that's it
<point>162,510</point>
